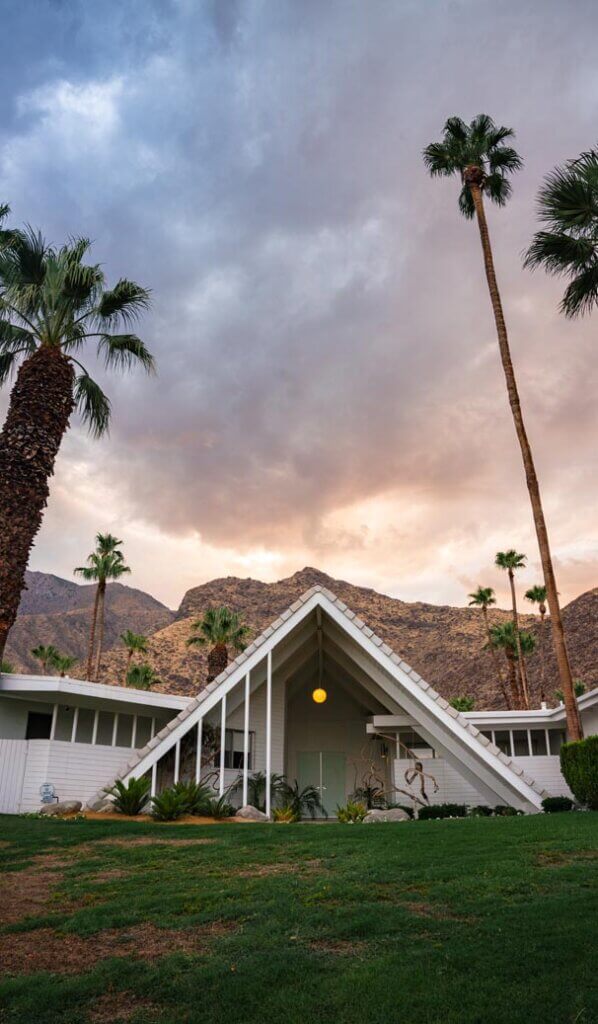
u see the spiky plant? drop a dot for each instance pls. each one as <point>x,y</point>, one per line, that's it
<point>219,629</point>
<point>129,798</point>
<point>104,564</point>
<point>481,156</point>
<point>52,306</point>
<point>302,801</point>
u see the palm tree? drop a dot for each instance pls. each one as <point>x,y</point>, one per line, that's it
<point>135,643</point>
<point>220,628</point>
<point>479,155</point>
<point>568,207</point>
<point>103,564</point>
<point>301,801</point>
<point>537,595</point>
<point>51,305</point>
<point>484,598</point>
<point>63,662</point>
<point>505,637</point>
<point>46,655</point>
<point>6,667</point>
<point>141,677</point>
<point>511,560</point>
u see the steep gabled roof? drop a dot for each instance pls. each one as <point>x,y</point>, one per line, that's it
<point>411,683</point>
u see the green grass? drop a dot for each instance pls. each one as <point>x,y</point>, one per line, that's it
<point>484,920</point>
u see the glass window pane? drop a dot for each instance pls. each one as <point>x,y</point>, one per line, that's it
<point>487,734</point>
<point>39,725</point>
<point>124,731</point>
<point>520,744</point>
<point>85,725</point>
<point>105,726</point>
<point>64,723</point>
<point>556,738</point>
<point>538,738</point>
<point>144,729</point>
<point>502,739</point>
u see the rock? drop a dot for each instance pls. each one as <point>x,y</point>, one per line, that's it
<point>249,813</point>
<point>65,807</point>
<point>392,814</point>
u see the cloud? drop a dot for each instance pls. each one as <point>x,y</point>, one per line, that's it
<point>329,387</point>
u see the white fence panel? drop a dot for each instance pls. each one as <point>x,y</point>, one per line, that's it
<point>13,758</point>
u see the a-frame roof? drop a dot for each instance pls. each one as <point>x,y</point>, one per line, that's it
<point>472,749</point>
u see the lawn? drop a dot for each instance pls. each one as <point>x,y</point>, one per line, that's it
<point>482,920</point>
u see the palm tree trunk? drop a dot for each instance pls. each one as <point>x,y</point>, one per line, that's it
<point>128,664</point>
<point>501,681</point>
<point>520,661</point>
<point>217,661</point>
<point>40,407</point>
<point>542,653</point>
<point>101,602</point>
<point>513,679</point>
<point>574,728</point>
<point>92,633</point>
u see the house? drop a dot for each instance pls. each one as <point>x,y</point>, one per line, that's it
<point>317,697</point>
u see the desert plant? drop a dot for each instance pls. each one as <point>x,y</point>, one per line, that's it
<point>256,788</point>
<point>302,801</point>
<point>130,798</point>
<point>219,629</point>
<point>52,305</point>
<point>351,814</point>
<point>142,676</point>
<point>6,666</point>
<point>284,815</point>
<point>462,703</point>
<point>510,561</point>
<point>136,643</point>
<point>537,595</point>
<point>556,804</point>
<point>63,662</point>
<point>169,805</point>
<point>442,811</point>
<point>46,654</point>
<point>579,765</point>
<point>196,797</point>
<point>220,807</point>
<point>103,564</point>
<point>484,598</point>
<point>480,155</point>
<point>578,688</point>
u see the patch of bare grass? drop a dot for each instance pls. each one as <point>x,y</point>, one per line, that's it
<point>280,868</point>
<point>436,911</point>
<point>339,947</point>
<point>561,858</point>
<point>115,1007</point>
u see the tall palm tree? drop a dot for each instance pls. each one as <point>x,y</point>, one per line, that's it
<point>103,564</point>
<point>505,637</point>
<point>512,560</point>
<point>52,304</point>
<point>484,598</point>
<point>537,595</point>
<point>135,643</point>
<point>568,207</point>
<point>479,154</point>
<point>46,654</point>
<point>219,629</point>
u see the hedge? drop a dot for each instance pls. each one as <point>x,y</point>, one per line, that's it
<point>579,765</point>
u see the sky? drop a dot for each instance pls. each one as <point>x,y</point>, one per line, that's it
<point>329,390</point>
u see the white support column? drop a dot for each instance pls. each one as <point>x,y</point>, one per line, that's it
<point>114,729</point>
<point>94,731</point>
<point>198,751</point>
<point>75,723</point>
<point>222,744</point>
<point>134,732</point>
<point>153,729</point>
<point>154,785</point>
<point>54,719</point>
<point>268,731</point>
<point>246,742</point>
<point>177,761</point>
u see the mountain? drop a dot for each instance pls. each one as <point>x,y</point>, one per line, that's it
<point>57,611</point>
<point>444,644</point>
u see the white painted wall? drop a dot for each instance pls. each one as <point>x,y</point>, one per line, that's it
<point>13,758</point>
<point>13,716</point>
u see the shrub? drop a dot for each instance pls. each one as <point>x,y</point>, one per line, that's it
<point>579,765</point>
<point>462,703</point>
<point>302,801</point>
<point>503,811</point>
<point>442,811</point>
<point>352,813</point>
<point>284,815</point>
<point>219,807</point>
<point>169,805</point>
<point>481,811</point>
<point>196,797</point>
<point>554,804</point>
<point>129,799</point>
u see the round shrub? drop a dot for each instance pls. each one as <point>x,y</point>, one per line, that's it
<point>579,765</point>
<point>442,811</point>
<point>554,804</point>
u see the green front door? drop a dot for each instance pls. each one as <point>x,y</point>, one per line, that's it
<point>327,772</point>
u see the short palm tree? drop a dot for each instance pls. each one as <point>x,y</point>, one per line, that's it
<point>52,304</point>
<point>301,801</point>
<point>481,156</point>
<point>219,629</point>
<point>537,595</point>
<point>64,662</point>
<point>505,637</point>
<point>510,561</point>
<point>46,654</point>
<point>103,564</point>
<point>484,598</point>
<point>6,667</point>
<point>568,245</point>
<point>135,643</point>
<point>141,677</point>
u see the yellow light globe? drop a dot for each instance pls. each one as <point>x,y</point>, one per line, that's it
<point>319,695</point>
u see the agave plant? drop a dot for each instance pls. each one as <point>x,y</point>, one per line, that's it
<point>169,805</point>
<point>131,798</point>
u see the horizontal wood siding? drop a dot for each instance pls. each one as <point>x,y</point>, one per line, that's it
<point>76,770</point>
<point>13,758</point>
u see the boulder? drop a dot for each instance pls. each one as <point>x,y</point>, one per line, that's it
<point>391,814</point>
<point>249,813</point>
<point>64,807</point>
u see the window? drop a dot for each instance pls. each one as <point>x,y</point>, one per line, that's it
<point>557,738</point>
<point>38,726</point>
<point>487,734</point>
<point>84,725</point>
<point>144,731</point>
<point>105,727</point>
<point>520,743</point>
<point>502,739</point>
<point>410,740</point>
<point>124,731</point>
<point>538,742</point>
<point>64,723</point>
<point>234,744</point>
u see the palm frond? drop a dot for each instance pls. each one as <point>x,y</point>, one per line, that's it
<point>456,129</point>
<point>125,302</point>
<point>13,338</point>
<point>497,188</point>
<point>504,158</point>
<point>8,365</point>
<point>124,351</point>
<point>568,200</point>
<point>93,404</point>
<point>466,202</point>
<point>439,159</point>
<point>581,294</point>
<point>559,253</point>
